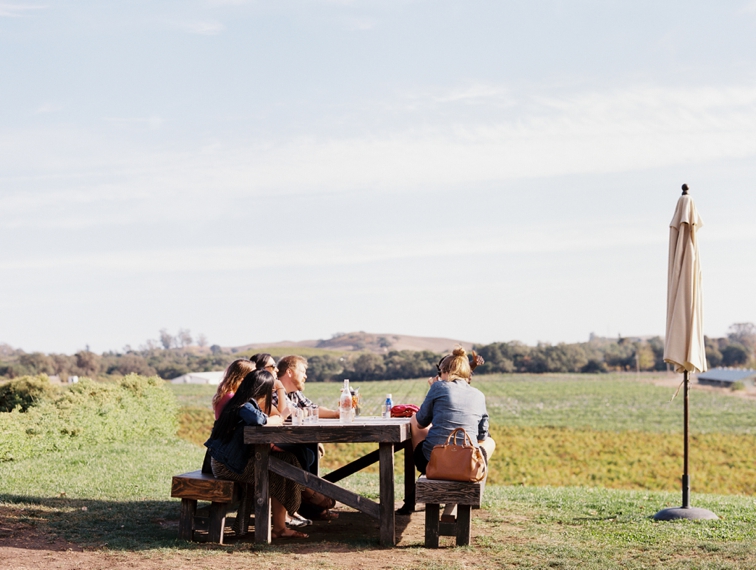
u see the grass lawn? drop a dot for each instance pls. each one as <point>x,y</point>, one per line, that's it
<point>116,500</point>
<point>572,437</point>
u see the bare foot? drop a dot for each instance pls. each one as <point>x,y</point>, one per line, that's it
<point>288,533</point>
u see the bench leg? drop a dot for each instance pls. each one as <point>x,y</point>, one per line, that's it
<point>431,525</point>
<point>217,522</point>
<point>464,525</point>
<point>186,519</point>
<point>246,505</point>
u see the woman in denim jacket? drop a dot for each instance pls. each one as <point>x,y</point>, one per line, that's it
<point>451,403</point>
<point>232,459</point>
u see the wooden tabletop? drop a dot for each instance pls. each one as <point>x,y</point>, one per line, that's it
<point>362,429</point>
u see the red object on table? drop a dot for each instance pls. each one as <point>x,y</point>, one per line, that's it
<point>404,410</point>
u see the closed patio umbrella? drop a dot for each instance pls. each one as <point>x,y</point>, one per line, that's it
<point>684,342</point>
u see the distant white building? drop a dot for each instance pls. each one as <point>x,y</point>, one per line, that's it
<point>726,377</point>
<point>199,378</point>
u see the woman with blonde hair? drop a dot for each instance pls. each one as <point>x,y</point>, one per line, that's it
<point>451,403</point>
<point>227,387</point>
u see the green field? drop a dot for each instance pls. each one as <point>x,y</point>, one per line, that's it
<point>608,430</point>
<point>582,465</point>
<point>609,402</point>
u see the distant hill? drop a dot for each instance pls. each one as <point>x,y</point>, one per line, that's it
<point>378,343</point>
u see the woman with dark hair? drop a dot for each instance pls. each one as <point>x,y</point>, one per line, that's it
<point>232,459</point>
<point>451,403</point>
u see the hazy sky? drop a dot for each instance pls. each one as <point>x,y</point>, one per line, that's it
<point>259,171</point>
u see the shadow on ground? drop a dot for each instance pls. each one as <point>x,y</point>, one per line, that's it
<point>58,523</point>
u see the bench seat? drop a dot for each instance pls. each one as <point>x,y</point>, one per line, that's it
<point>434,492</point>
<point>222,494</point>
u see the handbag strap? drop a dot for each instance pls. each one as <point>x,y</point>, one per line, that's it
<point>466,437</point>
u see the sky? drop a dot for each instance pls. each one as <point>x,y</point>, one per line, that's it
<point>284,170</point>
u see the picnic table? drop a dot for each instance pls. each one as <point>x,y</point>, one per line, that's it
<point>391,435</point>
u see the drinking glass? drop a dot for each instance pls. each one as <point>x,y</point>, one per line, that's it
<point>296,417</point>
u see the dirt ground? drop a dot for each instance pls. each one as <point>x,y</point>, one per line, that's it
<point>348,542</point>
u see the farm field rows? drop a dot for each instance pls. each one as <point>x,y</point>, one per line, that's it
<point>565,430</point>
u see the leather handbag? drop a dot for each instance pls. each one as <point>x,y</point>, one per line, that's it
<point>452,462</point>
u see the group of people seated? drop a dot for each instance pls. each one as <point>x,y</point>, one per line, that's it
<point>257,391</point>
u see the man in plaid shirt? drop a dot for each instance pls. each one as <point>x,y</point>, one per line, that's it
<point>292,372</point>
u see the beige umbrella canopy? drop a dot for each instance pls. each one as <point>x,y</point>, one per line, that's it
<point>684,342</point>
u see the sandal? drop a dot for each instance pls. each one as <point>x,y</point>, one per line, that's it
<point>318,499</point>
<point>288,533</point>
<point>326,515</point>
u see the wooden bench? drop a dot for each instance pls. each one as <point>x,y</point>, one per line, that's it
<point>434,492</point>
<point>222,494</point>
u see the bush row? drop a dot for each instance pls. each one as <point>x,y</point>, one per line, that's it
<point>86,414</point>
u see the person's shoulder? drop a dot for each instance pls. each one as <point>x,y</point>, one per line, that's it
<point>440,386</point>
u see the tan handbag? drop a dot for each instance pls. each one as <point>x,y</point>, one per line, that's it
<point>453,462</point>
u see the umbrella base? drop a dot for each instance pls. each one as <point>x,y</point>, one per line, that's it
<point>689,513</point>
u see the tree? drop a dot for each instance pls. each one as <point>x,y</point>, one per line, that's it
<point>734,354</point>
<point>166,339</point>
<point>323,368</point>
<point>202,340</point>
<point>37,363</point>
<point>184,338</point>
<point>745,334</point>
<point>657,346</point>
<point>6,349</point>
<point>713,354</point>
<point>130,363</point>
<point>88,363</point>
<point>368,366</point>
<point>645,356</point>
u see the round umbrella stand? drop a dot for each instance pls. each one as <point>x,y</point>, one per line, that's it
<point>690,513</point>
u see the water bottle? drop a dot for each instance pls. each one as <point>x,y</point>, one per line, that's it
<point>387,405</point>
<point>345,404</point>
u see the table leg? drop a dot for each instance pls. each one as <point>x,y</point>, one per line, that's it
<point>262,495</point>
<point>409,479</point>
<point>388,522</point>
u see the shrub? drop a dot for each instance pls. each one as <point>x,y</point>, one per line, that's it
<point>25,392</point>
<point>89,413</point>
<point>737,386</point>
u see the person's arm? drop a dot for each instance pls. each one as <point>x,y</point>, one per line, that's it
<point>483,427</point>
<point>424,415</point>
<point>284,408</point>
<point>327,413</point>
<point>252,416</point>
<point>275,421</point>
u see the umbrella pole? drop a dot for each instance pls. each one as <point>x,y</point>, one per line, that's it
<point>686,472</point>
<point>685,511</point>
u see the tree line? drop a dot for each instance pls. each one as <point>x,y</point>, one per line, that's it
<point>171,359</point>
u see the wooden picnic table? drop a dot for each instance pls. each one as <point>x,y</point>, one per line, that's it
<point>391,435</point>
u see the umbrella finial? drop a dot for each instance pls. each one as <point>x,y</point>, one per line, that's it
<point>685,189</point>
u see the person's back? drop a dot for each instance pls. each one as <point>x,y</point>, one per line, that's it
<point>450,405</point>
